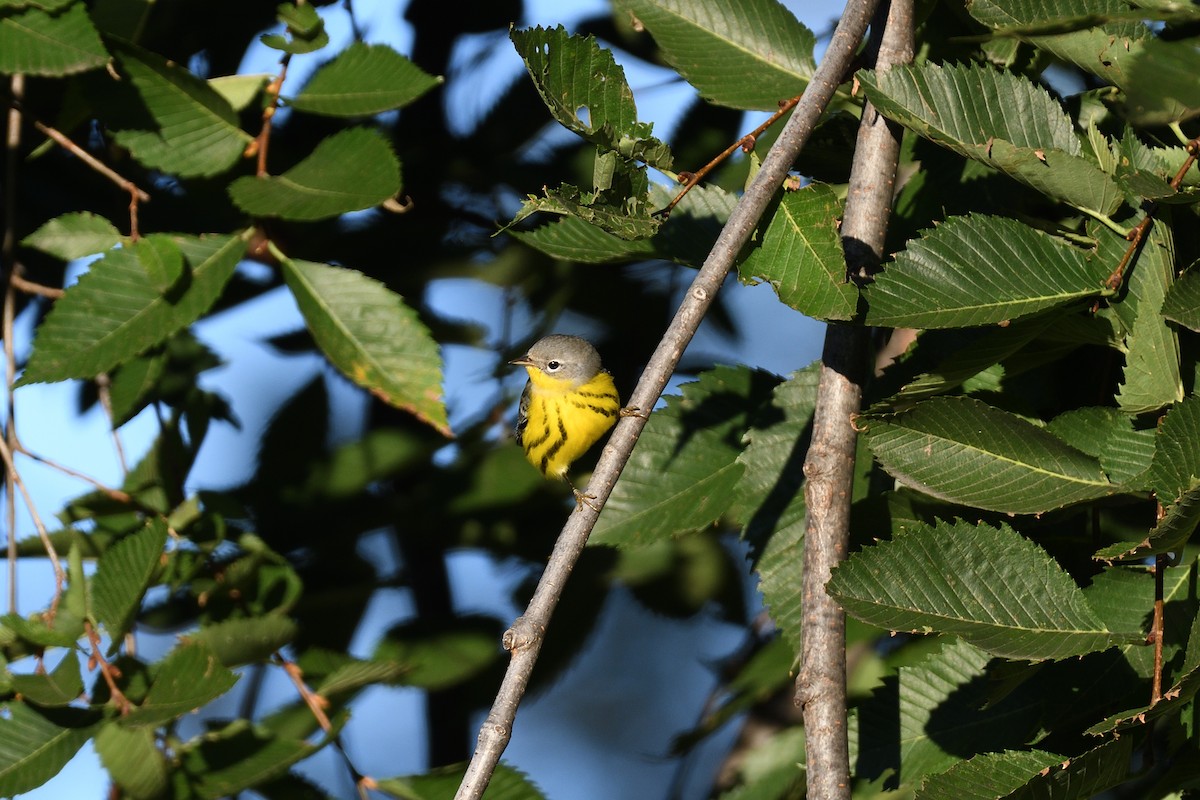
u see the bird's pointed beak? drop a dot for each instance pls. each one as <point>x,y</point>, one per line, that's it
<point>523,361</point>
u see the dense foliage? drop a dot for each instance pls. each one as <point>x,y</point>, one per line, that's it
<point>1025,618</point>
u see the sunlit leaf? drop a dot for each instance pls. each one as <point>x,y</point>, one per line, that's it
<point>371,335</point>
<point>751,56</point>
<point>801,255</point>
<point>74,235</point>
<point>348,171</point>
<point>36,42</point>
<point>363,79</point>
<point>196,131</point>
<point>114,313</point>
<point>122,577</point>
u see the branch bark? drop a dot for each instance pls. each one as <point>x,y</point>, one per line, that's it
<point>829,466</point>
<point>524,639</point>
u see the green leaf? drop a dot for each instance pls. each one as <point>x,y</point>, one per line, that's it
<point>1169,535</point>
<point>570,238</point>
<point>440,656</point>
<point>239,90</point>
<point>979,270</point>
<point>353,467</point>
<point>364,79</point>
<point>801,255</point>
<point>1176,458</point>
<point>628,216</point>
<point>1182,303</point>
<point>1000,119</point>
<point>933,713</point>
<point>770,497</point>
<point>245,641</point>
<point>1109,436</point>
<point>34,746</point>
<point>961,450</point>
<point>37,632</point>
<point>752,55</point>
<point>133,760</point>
<point>1162,82</point>
<point>1151,377</point>
<point>372,336</point>
<point>573,73</point>
<point>240,756</point>
<point>441,783</point>
<point>349,171</point>
<point>1090,34</point>
<point>682,474</point>
<point>1020,774</point>
<point>947,360</point>
<point>359,674</point>
<point>35,42</point>
<point>74,235</point>
<point>685,237</point>
<point>992,587</point>
<point>190,677</point>
<point>122,576</point>
<point>306,27</point>
<point>113,313</point>
<point>60,688</point>
<point>196,132</point>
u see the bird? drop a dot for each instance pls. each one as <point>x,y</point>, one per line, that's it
<point>569,402</point>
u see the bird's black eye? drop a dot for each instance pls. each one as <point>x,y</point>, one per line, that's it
<point>552,365</point>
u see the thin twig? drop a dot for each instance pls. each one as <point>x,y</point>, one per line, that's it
<point>104,391</point>
<point>43,534</point>
<point>829,464</point>
<point>316,704</point>
<point>1140,230</point>
<point>21,283</point>
<point>8,261</point>
<point>263,140</point>
<point>109,672</point>
<point>745,144</point>
<point>117,495</point>
<point>524,638</point>
<point>1160,572</point>
<point>63,141</point>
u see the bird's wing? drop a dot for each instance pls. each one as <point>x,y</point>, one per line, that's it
<point>523,412</point>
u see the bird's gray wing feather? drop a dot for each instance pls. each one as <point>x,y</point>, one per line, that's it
<point>523,412</point>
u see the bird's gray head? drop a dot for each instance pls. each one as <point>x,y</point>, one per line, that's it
<point>567,358</point>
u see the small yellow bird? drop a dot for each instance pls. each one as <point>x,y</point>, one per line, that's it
<point>569,402</point>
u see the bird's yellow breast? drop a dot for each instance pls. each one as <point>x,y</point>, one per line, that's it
<point>564,421</point>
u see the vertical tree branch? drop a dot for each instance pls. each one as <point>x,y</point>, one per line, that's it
<point>8,253</point>
<point>829,466</point>
<point>524,638</point>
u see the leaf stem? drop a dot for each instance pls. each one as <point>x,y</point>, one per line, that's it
<point>745,144</point>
